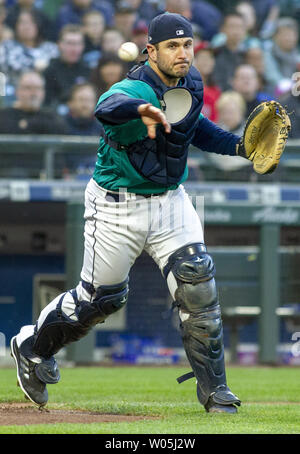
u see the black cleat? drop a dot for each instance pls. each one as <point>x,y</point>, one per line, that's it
<point>34,389</point>
<point>212,407</point>
<point>222,401</point>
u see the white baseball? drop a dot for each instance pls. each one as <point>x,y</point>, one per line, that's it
<point>128,51</point>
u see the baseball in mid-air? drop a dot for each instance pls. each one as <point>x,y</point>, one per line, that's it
<point>128,51</point>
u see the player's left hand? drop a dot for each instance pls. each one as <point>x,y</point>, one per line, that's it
<point>151,116</point>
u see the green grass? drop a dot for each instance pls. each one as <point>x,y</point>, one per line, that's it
<point>270,401</point>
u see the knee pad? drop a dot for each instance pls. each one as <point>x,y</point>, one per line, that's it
<point>59,329</point>
<point>194,271</point>
<point>111,298</point>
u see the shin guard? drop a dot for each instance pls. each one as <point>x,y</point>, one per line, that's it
<point>200,322</point>
<point>59,329</point>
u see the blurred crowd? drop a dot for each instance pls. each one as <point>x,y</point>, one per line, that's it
<point>59,56</point>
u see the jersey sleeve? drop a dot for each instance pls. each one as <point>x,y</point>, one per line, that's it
<point>213,139</point>
<point>120,103</point>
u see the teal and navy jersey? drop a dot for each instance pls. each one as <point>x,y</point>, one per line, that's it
<point>117,111</point>
<point>113,169</point>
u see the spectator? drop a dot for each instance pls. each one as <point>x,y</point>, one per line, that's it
<point>109,71</point>
<point>230,55</point>
<point>26,51</point>
<point>291,100</point>
<point>93,27</point>
<point>224,5</point>
<point>207,17</point>
<point>199,12</point>
<point>290,8</point>
<point>125,18</point>
<point>254,56</point>
<point>246,83</point>
<point>231,109</point>
<point>81,103</point>
<point>140,37</point>
<point>81,121</point>
<point>282,57</point>
<point>204,61</point>
<point>112,39</point>
<point>74,10</point>
<point>183,7</point>
<point>5,32</point>
<point>147,9</point>
<point>267,13</point>
<point>27,115</point>
<point>46,26</point>
<point>247,11</point>
<point>68,69</point>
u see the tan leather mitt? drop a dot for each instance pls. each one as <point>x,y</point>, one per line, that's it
<point>265,135</point>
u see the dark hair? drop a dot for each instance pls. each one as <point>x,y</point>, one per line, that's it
<point>105,59</point>
<point>112,29</point>
<point>93,12</point>
<point>229,13</point>
<point>76,87</point>
<point>35,18</point>
<point>70,28</point>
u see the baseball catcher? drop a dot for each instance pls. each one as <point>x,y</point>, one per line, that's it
<point>150,118</point>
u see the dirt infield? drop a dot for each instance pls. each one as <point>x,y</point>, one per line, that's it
<point>24,414</point>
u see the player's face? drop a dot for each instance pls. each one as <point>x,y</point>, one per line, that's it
<point>174,57</point>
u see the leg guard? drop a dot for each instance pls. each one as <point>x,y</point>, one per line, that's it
<point>58,329</point>
<point>45,369</point>
<point>201,324</point>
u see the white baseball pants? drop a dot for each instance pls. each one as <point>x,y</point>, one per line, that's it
<point>117,233</point>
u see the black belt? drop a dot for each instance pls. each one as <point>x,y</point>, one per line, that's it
<point>116,145</point>
<point>121,197</point>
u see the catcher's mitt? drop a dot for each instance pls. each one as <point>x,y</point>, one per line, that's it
<point>265,136</point>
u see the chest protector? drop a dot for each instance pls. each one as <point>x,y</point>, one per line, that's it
<point>163,160</point>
